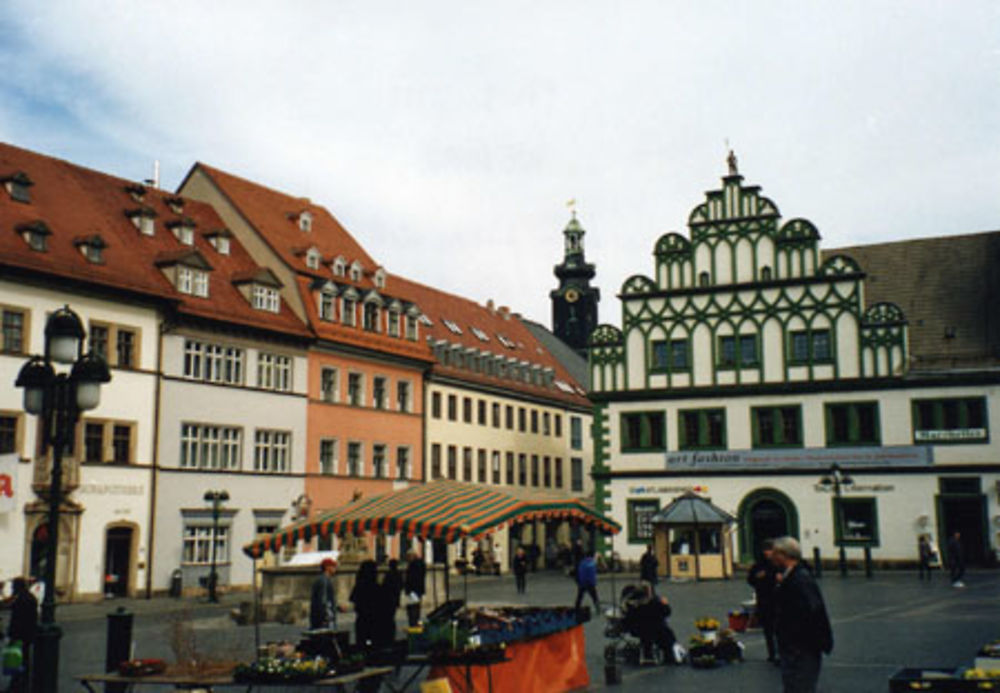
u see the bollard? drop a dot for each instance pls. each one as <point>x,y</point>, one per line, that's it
<point>119,645</point>
<point>868,561</point>
<point>817,562</point>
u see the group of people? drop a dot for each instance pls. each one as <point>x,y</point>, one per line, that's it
<point>929,558</point>
<point>375,601</point>
<point>792,613</point>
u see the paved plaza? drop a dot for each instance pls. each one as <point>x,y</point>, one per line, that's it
<point>880,624</point>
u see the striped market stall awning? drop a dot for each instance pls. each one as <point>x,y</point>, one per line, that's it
<point>448,510</point>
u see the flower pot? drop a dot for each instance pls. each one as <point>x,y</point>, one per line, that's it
<point>710,635</point>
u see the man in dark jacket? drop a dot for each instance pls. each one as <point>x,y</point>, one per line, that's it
<point>520,569</point>
<point>801,622</point>
<point>762,578</point>
<point>586,581</point>
<point>956,560</point>
<point>23,627</point>
<point>414,585</point>
<point>648,565</point>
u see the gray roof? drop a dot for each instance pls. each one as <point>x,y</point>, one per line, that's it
<point>691,509</point>
<point>948,288</point>
<point>570,359</point>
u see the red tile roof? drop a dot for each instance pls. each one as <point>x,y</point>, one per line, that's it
<point>468,316</point>
<point>73,202</point>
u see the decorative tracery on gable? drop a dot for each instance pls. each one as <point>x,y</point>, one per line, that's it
<point>606,356</point>
<point>638,284</point>
<point>839,265</point>
<point>671,245</point>
<point>884,341</point>
<point>884,313</point>
<point>797,232</point>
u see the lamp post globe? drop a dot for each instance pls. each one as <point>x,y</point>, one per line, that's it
<point>35,376</point>
<point>63,335</point>
<point>89,373</point>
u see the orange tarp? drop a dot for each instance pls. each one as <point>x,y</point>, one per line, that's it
<point>551,664</point>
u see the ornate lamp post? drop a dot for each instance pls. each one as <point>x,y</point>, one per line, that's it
<point>58,399</point>
<point>836,479</point>
<point>216,498</point>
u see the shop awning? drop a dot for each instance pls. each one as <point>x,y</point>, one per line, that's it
<point>448,510</point>
<point>691,509</point>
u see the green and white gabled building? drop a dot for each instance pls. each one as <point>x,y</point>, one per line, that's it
<point>750,361</point>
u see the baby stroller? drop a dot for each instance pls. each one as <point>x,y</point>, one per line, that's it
<point>638,630</point>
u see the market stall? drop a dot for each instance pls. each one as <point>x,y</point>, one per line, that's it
<point>486,647</point>
<point>692,539</point>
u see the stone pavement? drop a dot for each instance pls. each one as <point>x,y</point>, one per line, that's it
<point>881,624</point>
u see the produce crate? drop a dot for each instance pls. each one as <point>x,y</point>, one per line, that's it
<point>938,680</point>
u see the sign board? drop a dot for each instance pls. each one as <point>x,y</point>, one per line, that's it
<point>949,435</point>
<point>8,482</point>
<point>804,458</point>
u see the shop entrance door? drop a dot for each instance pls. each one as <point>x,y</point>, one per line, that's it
<point>117,561</point>
<point>768,520</point>
<point>967,515</point>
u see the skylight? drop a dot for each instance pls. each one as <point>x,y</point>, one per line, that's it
<point>564,386</point>
<point>482,336</point>
<point>453,327</point>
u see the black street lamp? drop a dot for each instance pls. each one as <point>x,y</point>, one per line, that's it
<point>837,480</point>
<point>216,498</point>
<point>58,399</point>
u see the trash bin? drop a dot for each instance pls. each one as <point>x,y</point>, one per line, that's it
<point>176,583</point>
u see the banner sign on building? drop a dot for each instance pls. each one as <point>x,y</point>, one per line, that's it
<point>8,482</point>
<point>805,458</point>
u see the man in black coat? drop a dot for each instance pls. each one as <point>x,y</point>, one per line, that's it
<point>23,627</point>
<point>956,560</point>
<point>414,585</point>
<point>801,622</point>
<point>648,565</point>
<point>762,577</point>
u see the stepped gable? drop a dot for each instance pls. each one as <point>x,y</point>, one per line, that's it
<point>505,335</point>
<point>74,204</point>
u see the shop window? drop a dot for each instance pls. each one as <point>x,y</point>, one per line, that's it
<point>852,423</point>
<point>959,420</point>
<point>643,432</point>
<point>640,515</point>
<point>777,427</point>
<point>702,429</point>
<point>858,521</point>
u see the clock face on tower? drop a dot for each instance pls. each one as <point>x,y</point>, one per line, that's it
<point>572,296</point>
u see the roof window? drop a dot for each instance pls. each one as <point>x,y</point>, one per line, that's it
<point>306,221</point>
<point>192,281</point>
<point>183,230</point>
<point>35,234</point>
<point>506,342</point>
<point>92,248</point>
<point>136,191</point>
<point>144,220</point>
<point>379,278</point>
<point>356,271</point>
<point>339,266</point>
<point>480,335</point>
<point>453,327</point>
<point>313,258</point>
<point>265,298</point>
<point>426,321</point>
<point>17,187</point>
<point>176,204</point>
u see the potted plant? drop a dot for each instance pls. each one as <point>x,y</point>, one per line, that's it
<point>708,627</point>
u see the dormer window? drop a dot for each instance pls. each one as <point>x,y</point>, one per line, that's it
<point>379,278</point>
<point>393,319</point>
<point>144,219</point>
<point>192,281</point>
<point>92,248</point>
<point>265,298</point>
<point>313,258</point>
<point>17,187</point>
<point>36,235</point>
<point>347,310</point>
<point>306,221</point>
<point>183,230</point>
<point>221,244</point>
<point>339,266</point>
<point>356,271</point>
<point>452,327</point>
<point>176,204</point>
<point>370,317</point>
<point>326,301</point>
<point>136,191</point>
<point>412,326</point>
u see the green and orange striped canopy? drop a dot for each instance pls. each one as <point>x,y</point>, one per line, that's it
<point>448,510</point>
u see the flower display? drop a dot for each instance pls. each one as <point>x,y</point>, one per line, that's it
<point>707,623</point>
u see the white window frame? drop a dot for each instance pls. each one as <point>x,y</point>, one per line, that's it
<point>404,467</point>
<point>360,462</point>
<point>274,372</point>
<point>327,300</point>
<point>385,392</point>
<point>272,451</point>
<point>380,471</point>
<point>196,542</point>
<point>331,394</point>
<point>266,298</point>
<point>210,446</point>
<point>329,467</point>
<point>404,403</point>
<point>360,400</point>
<point>348,311</point>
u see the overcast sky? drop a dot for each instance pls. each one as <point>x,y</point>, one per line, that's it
<point>448,136</point>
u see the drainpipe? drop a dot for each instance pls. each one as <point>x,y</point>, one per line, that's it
<point>153,472</point>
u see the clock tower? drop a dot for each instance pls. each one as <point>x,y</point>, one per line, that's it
<point>574,303</point>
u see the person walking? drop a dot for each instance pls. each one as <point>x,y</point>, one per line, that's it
<point>415,585</point>
<point>956,560</point>
<point>586,581</point>
<point>925,553</point>
<point>23,628</point>
<point>366,597</point>
<point>800,619</point>
<point>391,589</point>
<point>520,569</point>
<point>323,598</point>
<point>762,577</point>
<point>648,566</point>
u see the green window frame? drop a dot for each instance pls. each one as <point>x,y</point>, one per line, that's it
<point>777,426</point>
<point>643,431</point>
<point>670,356</point>
<point>639,513</point>
<point>701,429</point>
<point>739,351</point>
<point>856,521</point>
<point>810,346</point>
<point>852,424</point>
<point>950,421</point>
